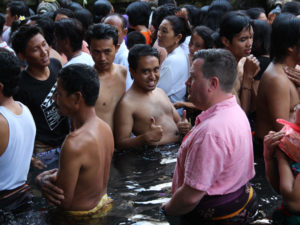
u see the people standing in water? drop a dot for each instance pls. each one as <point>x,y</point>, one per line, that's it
<point>86,154</point>
<point>103,42</point>
<point>146,110</point>
<point>17,130</point>
<point>37,86</point>
<point>215,162</point>
<point>277,94</point>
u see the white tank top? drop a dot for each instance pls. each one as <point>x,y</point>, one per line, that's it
<point>15,161</point>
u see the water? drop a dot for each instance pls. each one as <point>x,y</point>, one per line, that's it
<point>140,182</point>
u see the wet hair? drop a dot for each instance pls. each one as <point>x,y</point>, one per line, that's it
<point>179,26</point>
<point>215,13</point>
<point>291,7</point>
<point>162,12</point>
<point>219,63</point>
<point>138,51</point>
<point>193,14</point>
<point>2,22</point>
<point>233,23</point>
<point>64,11</point>
<point>22,36</point>
<point>254,13</point>
<point>165,2</point>
<point>101,9</point>
<point>122,18</point>
<point>84,16</point>
<point>285,34</point>
<point>261,38</point>
<point>47,26</point>
<point>102,31</point>
<point>18,8</point>
<point>135,37</point>
<point>10,73</point>
<point>138,13</point>
<point>206,34</point>
<point>70,29</point>
<point>82,78</point>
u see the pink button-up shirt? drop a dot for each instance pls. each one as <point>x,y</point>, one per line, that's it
<point>216,156</point>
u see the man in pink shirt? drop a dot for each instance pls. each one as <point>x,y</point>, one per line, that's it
<point>215,160</point>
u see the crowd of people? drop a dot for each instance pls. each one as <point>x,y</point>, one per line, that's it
<point>224,84</point>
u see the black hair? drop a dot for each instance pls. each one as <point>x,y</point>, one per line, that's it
<point>206,34</point>
<point>261,38</point>
<point>162,12</point>
<point>82,78</point>
<point>84,16</point>
<point>254,13</point>
<point>138,13</point>
<point>70,29</point>
<point>74,6</point>
<point>291,7</point>
<point>164,2</point>
<point>233,23</point>
<point>18,8</point>
<point>10,73</point>
<point>179,26</point>
<point>101,9</point>
<point>102,31</point>
<point>47,26</point>
<point>2,22</point>
<point>138,51</point>
<point>193,14</point>
<point>135,37</point>
<point>285,33</point>
<point>64,11</point>
<point>22,36</point>
<point>215,13</point>
<point>122,18</point>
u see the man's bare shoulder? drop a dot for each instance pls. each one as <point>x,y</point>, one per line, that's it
<point>120,70</point>
<point>4,131</point>
<point>274,77</point>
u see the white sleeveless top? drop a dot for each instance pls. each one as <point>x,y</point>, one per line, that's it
<point>15,161</point>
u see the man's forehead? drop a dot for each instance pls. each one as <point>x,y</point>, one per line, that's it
<point>144,61</point>
<point>114,21</point>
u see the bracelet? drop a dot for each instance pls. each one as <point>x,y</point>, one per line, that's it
<point>246,88</point>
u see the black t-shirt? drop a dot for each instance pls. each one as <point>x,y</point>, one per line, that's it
<point>37,95</point>
<point>263,64</point>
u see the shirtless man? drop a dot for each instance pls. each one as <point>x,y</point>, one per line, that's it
<point>103,42</point>
<point>87,151</point>
<point>277,94</point>
<point>146,110</point>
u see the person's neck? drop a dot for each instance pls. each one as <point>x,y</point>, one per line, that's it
<point>104,71</point>
<point>289,61</point>
<point>140,90</point>
<point>81,117</point>
<point>141,28</point>
<point>171,48</point>
<point>10,104</point>
<point>39,73</point>
<point>218,98</point>
<point>71,54</point>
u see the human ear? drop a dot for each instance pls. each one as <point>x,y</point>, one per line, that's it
<point>225,42</point>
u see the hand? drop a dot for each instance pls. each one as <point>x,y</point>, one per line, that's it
<point>271,141</point>
<point>178,105</point>
<point>251,68</point>
<point>183,125</point>
<point>38,164</point>
<point>293,75</point>
<point>155,133</point>
<point>46,181</point>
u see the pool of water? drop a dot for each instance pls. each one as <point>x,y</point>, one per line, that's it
<point>140,181</point>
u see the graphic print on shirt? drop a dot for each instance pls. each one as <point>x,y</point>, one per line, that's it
<point>50,111</point>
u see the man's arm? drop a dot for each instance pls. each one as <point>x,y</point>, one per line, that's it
<point>184,200</point>
<point>68,172</point>
<point>123,127</point>
<point>4,134</point>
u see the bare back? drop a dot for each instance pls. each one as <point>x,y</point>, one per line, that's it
<point>135,111</point>
<point>277,96</point>
<point>85,164</point>
<point>112,88</point>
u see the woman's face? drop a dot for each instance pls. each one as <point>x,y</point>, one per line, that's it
<point>196,43</point>
<point>166,36</point>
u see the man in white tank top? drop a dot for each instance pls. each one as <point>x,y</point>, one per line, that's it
<point>17,131</point>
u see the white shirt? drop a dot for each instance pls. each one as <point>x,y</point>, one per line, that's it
<point>81,58</point>
<point>5,45</point>
<point>122,59</point>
